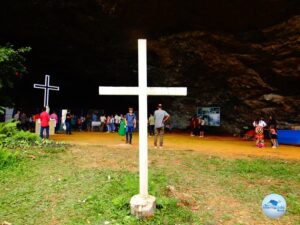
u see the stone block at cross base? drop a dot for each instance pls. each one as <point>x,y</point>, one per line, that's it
<point>143,207</point>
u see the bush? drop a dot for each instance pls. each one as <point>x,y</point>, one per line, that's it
<point>12,138</point>
<point>8,129</point>
<point>7,158</point>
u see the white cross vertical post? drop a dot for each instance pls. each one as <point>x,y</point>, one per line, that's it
<point>46,88</point>
<point>143,113</point>
<point>143,205</point>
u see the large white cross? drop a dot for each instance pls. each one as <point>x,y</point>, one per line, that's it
<point>46,88</point>
<point>142,91</point>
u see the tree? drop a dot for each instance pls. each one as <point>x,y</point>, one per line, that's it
<point>11,69</point>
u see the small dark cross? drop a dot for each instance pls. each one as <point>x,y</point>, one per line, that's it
<point>46,88</point>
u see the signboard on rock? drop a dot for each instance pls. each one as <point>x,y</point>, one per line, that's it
<point>211,115</point>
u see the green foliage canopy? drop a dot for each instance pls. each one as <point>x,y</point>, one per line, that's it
<point>11,67</point>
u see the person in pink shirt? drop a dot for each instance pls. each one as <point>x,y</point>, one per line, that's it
<point>55,117</point>
<point>44,118</point>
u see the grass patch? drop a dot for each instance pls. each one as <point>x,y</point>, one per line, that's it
<point>48,187</point>
<point>250,180</point>
<point>8,158</point>
<point>58,189</point>
<point>15,145</point>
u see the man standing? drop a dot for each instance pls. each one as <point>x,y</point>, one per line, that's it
<point>44,118</point>
<point>17,116</point>
<point>117,122</point>
<point>103,122</point>
<point>68,123</point>
<point>160,117</point>
<point>130,125</point>
<point>200,125</point>
<point>23,121</point>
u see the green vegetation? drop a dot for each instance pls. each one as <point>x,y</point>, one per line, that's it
<point>38,189</point>
<point>191,188</point>
<point>2,110</point>
<point>12,138</point>
<point>41,183</point>
<point>11,68</point>
<point>7,158</point>
<point>14,142</point>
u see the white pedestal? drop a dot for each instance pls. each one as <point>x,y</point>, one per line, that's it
<point>96,124</point>
<point>143,207</point>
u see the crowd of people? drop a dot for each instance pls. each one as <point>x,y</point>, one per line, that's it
<point>265,129</point>
<point>260,130</point>
<point>27,122</point>
<point>125,124</point>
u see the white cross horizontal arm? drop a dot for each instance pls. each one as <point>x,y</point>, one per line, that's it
<point>40,86</point>
<point>53,88</point>
<point>172,91</point>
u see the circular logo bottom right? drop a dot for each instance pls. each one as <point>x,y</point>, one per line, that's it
<point>274,206</point>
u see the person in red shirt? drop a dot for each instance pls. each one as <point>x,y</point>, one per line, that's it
<point>44,118</point>
<point>36,117</point>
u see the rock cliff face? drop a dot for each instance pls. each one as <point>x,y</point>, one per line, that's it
<point>247,75</point>
<point>243,56</point>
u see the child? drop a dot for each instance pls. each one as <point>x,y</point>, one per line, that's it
<point>122,126</point>
<point>259,130</point>
<point>273,136</point>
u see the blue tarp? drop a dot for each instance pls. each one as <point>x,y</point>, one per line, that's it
<point>291,137</point>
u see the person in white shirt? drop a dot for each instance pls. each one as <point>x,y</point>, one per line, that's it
<point>117,122</point>
<point>201,123</point>
<point>259,125</point>
<point>259,122</point>
<point>103,122</point>
<point>112,123</point>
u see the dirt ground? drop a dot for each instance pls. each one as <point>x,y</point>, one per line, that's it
<point>226,147</point>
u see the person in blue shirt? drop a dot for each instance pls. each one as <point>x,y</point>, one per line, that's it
<point>94,117</point>
<point>130,119</point>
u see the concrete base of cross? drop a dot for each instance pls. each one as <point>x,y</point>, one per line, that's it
<point>143,207</point>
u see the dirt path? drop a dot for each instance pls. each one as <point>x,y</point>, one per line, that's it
<point>227,147</point>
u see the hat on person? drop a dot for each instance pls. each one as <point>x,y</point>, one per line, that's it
<point>159,105</point>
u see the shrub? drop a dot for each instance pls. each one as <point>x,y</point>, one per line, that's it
<point>8,129</point>
<point>7,158</point>
<point>12,138</point>
<point>21,139</point>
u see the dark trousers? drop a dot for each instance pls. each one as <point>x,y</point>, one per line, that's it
<point>117,125</point>
<point>42,132</point>
<point>56,128</point>
<point>151,130</point>
<point>129,130</point>
<point>68,127</point>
